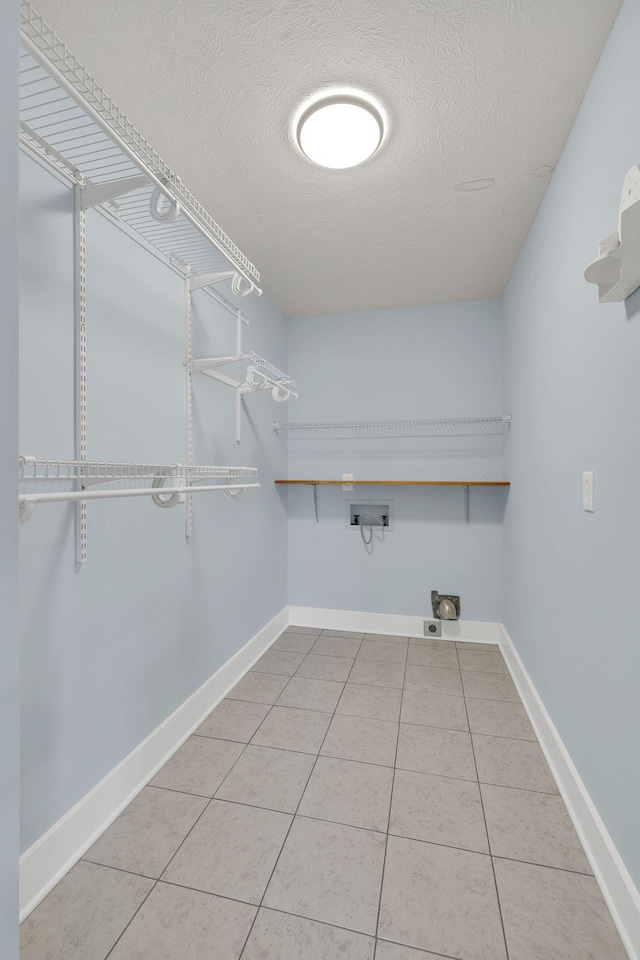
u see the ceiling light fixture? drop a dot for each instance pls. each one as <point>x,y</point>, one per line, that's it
<point>340,130</point>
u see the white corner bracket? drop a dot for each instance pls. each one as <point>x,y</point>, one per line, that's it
<point>616,270</point>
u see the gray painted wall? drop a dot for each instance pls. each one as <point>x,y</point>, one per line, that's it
<point>9,737</point>
<point>435,361</point>
<point>571,374</point>
<point>111,649</point>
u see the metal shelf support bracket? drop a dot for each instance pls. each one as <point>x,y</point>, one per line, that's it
<point>96,193</point>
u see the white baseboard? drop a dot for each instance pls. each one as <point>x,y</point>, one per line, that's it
<point>54,853</point>
<point>618,888</point>
<point>481,631</point>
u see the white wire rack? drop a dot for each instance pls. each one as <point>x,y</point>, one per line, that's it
<point>438,427</point>
<point>186,480</point>
<point>110,471</point>
<point>272,376</point>
<point>66,117</point>
<point>257,373</point>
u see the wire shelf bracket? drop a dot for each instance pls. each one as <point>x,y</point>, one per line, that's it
<point>257,373</point>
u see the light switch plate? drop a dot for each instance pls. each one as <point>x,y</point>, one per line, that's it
<point>347,485</point>
<point>587,491</point>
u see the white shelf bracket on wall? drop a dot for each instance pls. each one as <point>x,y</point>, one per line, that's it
<point>239,286</point>
<point>259,374</point>
<point>98,193</point>
<point>616,269</point>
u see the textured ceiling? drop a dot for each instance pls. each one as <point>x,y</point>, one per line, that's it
<point>474,90</point>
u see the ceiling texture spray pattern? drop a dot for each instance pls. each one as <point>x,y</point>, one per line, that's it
<point>474,90</point>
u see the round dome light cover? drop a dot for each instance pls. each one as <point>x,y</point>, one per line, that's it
<point>340,131</point>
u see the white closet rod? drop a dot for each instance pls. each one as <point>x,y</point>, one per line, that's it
<point>162,496</point>
<point>132,492</point>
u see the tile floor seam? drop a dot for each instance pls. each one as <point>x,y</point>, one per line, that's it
<point>393,783</point>
<point>382,766</point>
<point>492,699</point>
<point>545,866</point>
<point>363,716</point>
<point>418,950</point>
<point>431,726</point>
<point>486,830</point>
<point>508,786</point>
<point>293,820</point>
<point>322,923</point>
<point>302,707</point>
<point>445,776</point>
<point>122,932</point>
<point>367,683</point>
<point>109,866</point>
<point>350,671</point>
<point>454,696</point>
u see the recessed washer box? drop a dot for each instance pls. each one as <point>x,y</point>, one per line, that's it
<point>374,512</point>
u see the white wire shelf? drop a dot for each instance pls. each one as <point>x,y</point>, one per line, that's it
<point>111,471</point>
<point>66,117</point>
<point>169,481</point>
<point>391,429</point>
<point>276,377</point>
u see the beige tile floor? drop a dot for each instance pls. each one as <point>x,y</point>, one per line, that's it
<point>353,797</point>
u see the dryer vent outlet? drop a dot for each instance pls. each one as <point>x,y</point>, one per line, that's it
<point>432,628</point>
<point>446,606</point>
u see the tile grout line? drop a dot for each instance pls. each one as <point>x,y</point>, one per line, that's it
<point>121,935</point>
<point>393,783</point>
<point>486,828</point>
<point>293,819</point>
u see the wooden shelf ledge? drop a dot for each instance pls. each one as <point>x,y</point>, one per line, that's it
<point>403,483</point>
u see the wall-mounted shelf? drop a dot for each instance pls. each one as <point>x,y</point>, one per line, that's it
<point>169,481</point>
<point>252,372</point>
<point>347,484</point>
<point>68,119</point>
<point>402,483</point>
<point>392,429</point>
<point>262,374</point>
